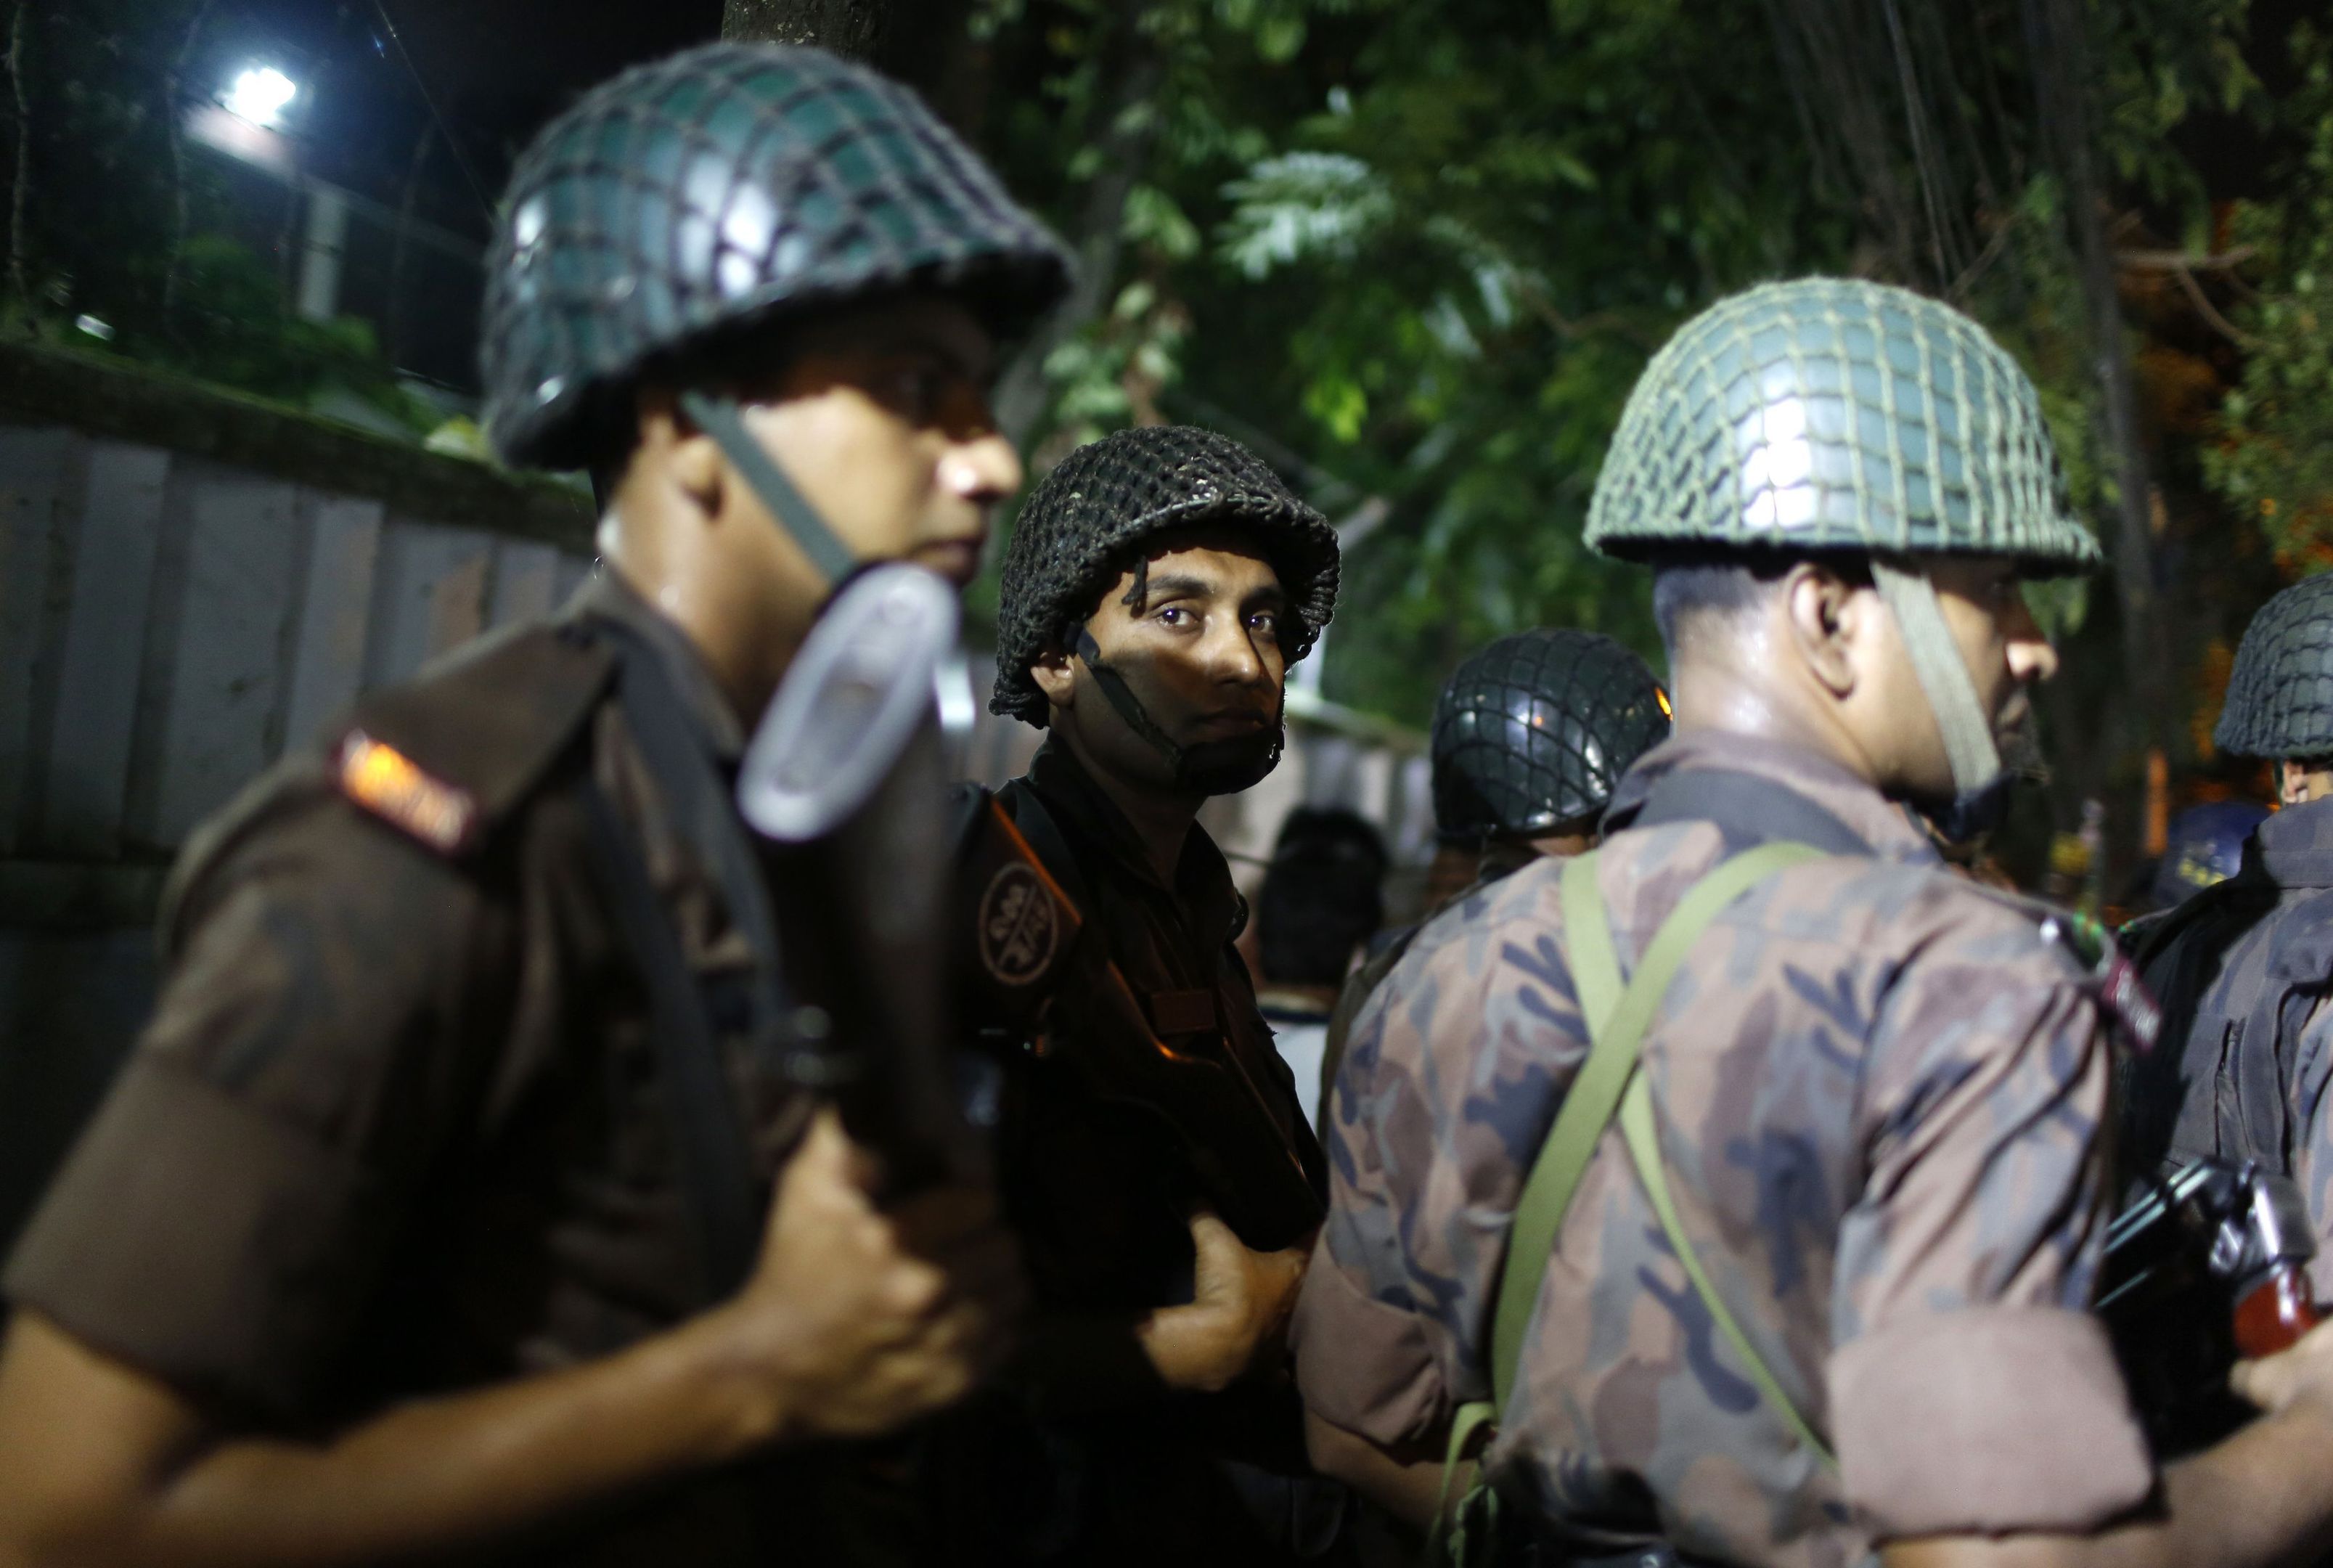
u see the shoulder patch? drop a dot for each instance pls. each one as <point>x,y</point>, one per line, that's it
<point>447,755</point>
<point>387,783</point>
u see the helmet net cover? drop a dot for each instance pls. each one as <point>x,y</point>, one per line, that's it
<point>710,190</point>
<point>1824,414</point>
<point>2280,692</point>
<point>1536,730</point>
<point>1080,525</point>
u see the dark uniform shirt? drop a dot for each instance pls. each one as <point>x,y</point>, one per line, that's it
<point>2244,972</point>
<point>1100,1196</point>
<point>1879,1093</point>
<point>396,1125</point>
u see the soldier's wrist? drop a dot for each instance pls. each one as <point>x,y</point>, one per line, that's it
<point>750,1400</point>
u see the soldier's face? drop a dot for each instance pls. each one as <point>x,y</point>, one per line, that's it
<point>1983,599</point>
<point>879,415</point>
<point>1199,645</point>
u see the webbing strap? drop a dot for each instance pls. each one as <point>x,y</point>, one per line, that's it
<point>1644,1138</point>
<point>1943,673</point>
<point>718,418</point>
<point>1617,1020</point>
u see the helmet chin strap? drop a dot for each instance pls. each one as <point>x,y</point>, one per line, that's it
<point>1944,675</point>
<point>718,418</point>
<point>1211,768</point>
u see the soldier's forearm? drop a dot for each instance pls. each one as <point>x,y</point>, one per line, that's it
<point>108,1467</point>
<point>2258,1499</point>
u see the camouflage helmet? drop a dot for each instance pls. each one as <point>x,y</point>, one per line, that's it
<point>2281,693</point>
<point>1535,730</point>
<point>717,189</point>
<point>1825,414</point>
<point>1078,527</point>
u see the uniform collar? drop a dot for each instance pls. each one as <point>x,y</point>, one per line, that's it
<point>1890,828</point>
<point>605,594</point>
<point>1203,879</point>
<point>2296,845</point>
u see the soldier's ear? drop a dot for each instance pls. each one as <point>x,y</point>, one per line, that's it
<point>1830,624</point>
<point>690,459</point>
<point>1052,672</point>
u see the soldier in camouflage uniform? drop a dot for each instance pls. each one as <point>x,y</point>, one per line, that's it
<point>1532,734</point>
<point>2243,968</point>
<point>428,1218</point>
<point>1158,586</point>
<point>1870,1093</point>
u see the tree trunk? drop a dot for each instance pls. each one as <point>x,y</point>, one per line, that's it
<point>20,187</point>
<point>174,119</point>
<point>1100,237</point>
<point>2060,64</point>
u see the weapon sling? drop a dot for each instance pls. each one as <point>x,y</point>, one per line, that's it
<point>1609,1086</point>
<point>708,1130</point>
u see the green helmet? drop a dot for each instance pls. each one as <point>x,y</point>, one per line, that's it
<point>2281,693</point>
<point>714,190</point>
<point>1825,414</point>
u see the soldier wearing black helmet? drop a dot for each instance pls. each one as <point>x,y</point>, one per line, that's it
<point>1156,1160</point>
<point>2246,1060</point>
<point>1532,734</point>
<point>396,1238</point>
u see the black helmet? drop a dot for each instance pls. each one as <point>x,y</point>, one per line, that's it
<point>2281,693</point>
<point>1078,525</point>
<point>715,190</point>
<point>1535,730</point>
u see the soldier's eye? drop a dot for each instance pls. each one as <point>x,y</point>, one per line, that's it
<point>1265,620</point>
<point>1174,615</point>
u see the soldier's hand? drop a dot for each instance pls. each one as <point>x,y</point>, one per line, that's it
<point>1238,1316</point>
<point>2302,1374</point>
<point>862,1319</point>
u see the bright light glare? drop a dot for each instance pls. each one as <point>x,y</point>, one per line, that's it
<point>261,94</point>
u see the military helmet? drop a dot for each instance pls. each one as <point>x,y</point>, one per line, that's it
<point>1535,730</point>
<point>1825,414</point>
<point>715,190</point>
<point>2281,693</point>
<point>1078,525</point>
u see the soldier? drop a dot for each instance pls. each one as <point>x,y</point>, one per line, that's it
<point>1822,1290</point>
<point>2242,967</point>
<point>1532,734</point>
<point>403,1234</point>
<point>1158,586</point>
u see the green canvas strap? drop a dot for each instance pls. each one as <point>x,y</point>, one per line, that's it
<point>1616,1019</point>
<point>1643,1139</point>
<point>1608,1087</point>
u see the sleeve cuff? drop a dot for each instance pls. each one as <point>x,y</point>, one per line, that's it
<point>200,1241</point>
<point>1362,1365</point>
<point>1986,1420</point>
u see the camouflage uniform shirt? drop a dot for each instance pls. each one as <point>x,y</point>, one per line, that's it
<point>1879,1093</point>
<point>2246,1060</point>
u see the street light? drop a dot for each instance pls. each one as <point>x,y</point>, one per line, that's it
<point>260,95</point>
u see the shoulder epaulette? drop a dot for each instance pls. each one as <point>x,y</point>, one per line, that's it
<point>445,756</point>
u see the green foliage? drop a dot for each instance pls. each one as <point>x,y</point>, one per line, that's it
<point>102,235</point>
<point>2274,457</point>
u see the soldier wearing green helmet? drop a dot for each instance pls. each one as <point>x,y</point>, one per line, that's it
<point>1733,1193</point>
<point>471,1194</point>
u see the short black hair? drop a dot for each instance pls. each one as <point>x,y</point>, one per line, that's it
<point>1322,896</point>
<point>1691,583</point>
